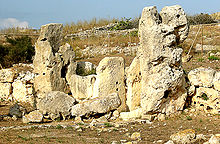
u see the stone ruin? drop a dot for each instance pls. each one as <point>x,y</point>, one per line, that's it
<point>153,85</point>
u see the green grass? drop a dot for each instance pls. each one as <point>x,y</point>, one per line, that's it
<point>59,127</point>
<point>108,125</point>
<point>204,97</point>
<point>188,117</point>
<point>200,59</point>
<point>213,58</point>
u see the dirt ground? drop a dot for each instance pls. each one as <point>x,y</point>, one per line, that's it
<point>157,131</point>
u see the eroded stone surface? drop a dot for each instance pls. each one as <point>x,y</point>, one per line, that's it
<point>162,84</point>
<point>207,99</point>
<point>110,79</point>
<point>133,83</point>
<point>7,75</point>
<point>82,86</point>
<point>51,61</point>
<point>56,104</point>
<point>34,116</point>
<point>97,105</point>
<point>185,136</point>
<point>202,77</point>
<point>5,90</point>
<point>23,92</point>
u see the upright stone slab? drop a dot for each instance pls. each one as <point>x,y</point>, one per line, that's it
<point>133,83</point>
<point>162,83</point>
<point>51,61</point>
<point>110,79</point>
<point>82,86</point>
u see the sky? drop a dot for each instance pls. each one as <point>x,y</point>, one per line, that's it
<point>34,13</point>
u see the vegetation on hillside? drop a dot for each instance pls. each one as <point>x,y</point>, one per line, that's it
<point>200,19</point>
<point>17,50</point>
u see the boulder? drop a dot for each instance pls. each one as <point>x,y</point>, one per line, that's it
<point>7,75</point>
<point>110,79</point>
<point>133,83</point>
<point>82,86</point>
<point>97,105</point>
<point>207,99</point>
<point>5,90</point>
<point>162,77</point>
<point>215,139</point>
<point>134,114</point>
<point>56,104</point>
<point>17,110</point>
<point>23,92</point>
<point>184,137</point>
<point>34,116</point>
<point>202,77</point>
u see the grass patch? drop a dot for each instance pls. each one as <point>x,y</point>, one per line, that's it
<point>23,138</point>
<point>189,118</point>
<point>213,58</point>
<point>59,127</point>
<point>108,125</point>
<point>204,97</point>
<point>200,59</point>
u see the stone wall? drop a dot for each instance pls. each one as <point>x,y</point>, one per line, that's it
<point>205,89</point>
<point>16,84</point>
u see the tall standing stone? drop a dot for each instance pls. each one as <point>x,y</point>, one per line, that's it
<point>159,69</point>
<point>162,85</point>
<point>51,61</point>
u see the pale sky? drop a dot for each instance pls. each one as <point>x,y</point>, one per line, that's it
<point>34,13</point>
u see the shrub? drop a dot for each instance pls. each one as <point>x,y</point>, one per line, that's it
<point>200,19</point>
<point>213,58</point>
<point>83,72</point>
<point>204,97</point>
<point>124,23</point>
<point>17,50</point>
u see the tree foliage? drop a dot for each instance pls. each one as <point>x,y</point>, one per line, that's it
<point>18,50</point>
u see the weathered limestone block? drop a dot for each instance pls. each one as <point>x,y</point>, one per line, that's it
<point>23,92</point>
<point>34,116</point>
<point>82,86</point>
<point>56,104</point>
<point>133,82</point>
<point>184,137</point>
<point>134,114</point>
<point>97,105</point>
<point>52,63</point>
<point>216,81</point>
<point>5,90</point>
<point>207,99</point>
<point>110,79</point>
<point>7,75</point>
<point>162,84</point>
<point>68,58</point>
<point>202,77</point>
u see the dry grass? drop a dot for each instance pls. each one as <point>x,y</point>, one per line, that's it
<point>71,28</point>
<point>109,41</point>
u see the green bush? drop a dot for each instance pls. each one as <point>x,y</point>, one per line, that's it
<point>124,23</point>
<point>18,50</point>
<point>200,19</point>
<point>213,58</point>
<point>83,72</point>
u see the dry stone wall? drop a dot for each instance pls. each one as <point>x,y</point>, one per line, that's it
<point>205,90</point>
